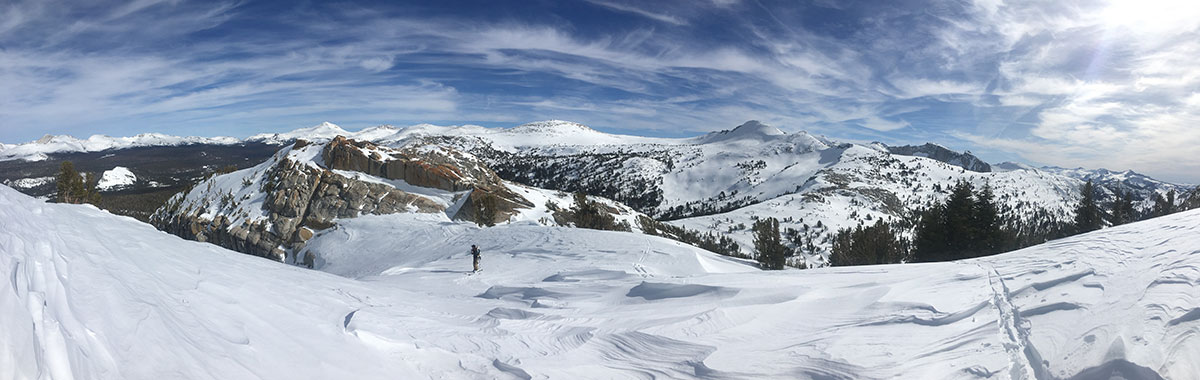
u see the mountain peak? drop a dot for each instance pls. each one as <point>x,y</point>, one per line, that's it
<point>326,127</point>
<point>323,131</point>
<point>45,139</point>
<point>750,130</point>
<point>756,128</point>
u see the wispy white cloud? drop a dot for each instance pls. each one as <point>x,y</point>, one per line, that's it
<point>1072,81</point>
<point>639,11</point>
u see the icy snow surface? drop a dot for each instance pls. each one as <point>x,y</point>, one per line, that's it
<point>90,295</point>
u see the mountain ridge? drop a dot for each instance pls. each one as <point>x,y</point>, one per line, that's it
<point>751,129</point>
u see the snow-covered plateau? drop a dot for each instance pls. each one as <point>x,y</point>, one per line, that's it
<point>90,295</point>
<point>116,178</point>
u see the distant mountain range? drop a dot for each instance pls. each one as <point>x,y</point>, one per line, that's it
<point>719,182</point>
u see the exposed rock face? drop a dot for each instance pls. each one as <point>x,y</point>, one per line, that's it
<point>301,198</point>
<point>964,160</point>
<point>435,167</point>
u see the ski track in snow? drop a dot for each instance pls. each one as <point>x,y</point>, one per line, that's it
<point>90,295</point>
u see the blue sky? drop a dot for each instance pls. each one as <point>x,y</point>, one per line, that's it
<point>1111,84</point>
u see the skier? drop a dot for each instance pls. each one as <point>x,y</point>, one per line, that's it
<point>475,258</point>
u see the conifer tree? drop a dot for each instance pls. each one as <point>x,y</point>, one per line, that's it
<point>1087,213</point>
<point>71,187</point>
<point>91,194</point>
<point>772,254</point>
<point>1127,209</point>
<point>876,244</point>
<point>1164,206</point>
<point>589,215</point>
<point>1122,207</point>
<point>960,231</point>
<point>985,222</point>
<point>931,238</point>
<point>1116,211</point>
<point>68,183</point>
<point>967,225</point>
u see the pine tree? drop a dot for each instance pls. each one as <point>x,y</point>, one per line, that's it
<point>1087,213</point>
<point>67,183</point>
<point>931,235</point>
<point>1122,207</point>
<point>985,222</point>
<point>960,232</point>
<point>1170,205</point>
<point>1127,209</point>
<point>876,244</point>
<point>71,187</point>
<point>1192,199</point>
<point>1164,206</point>
<point>90,193</point>
<point>589,215</point>
<point>968,224</point>
<point>772,254</point>
<point>1117,212</point>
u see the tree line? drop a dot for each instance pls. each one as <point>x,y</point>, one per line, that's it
<point>970,224</point>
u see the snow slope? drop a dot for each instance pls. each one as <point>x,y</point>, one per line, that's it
<point>91,295</point>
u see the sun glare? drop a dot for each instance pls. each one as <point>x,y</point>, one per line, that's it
<point>1152,17</point>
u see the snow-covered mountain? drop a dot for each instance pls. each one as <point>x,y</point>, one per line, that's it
<point>723,181</point>
<point>37,150</point>
<point>90,295</point>
<point>1124,180</point>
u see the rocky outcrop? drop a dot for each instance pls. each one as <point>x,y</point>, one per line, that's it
<point>430,167</point>
<point>964,160</point>
<point>301,198</point>
<point>489,201</point>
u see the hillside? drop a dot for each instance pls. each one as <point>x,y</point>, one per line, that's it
<point>92,295</point>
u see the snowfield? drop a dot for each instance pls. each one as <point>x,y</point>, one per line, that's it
<point>90,295</point>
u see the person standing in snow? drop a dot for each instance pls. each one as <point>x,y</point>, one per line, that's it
<point>475,258</point>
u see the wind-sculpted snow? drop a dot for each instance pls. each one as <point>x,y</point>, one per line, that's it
<point>89,295</point>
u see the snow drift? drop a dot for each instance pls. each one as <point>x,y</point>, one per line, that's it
<point>90,295</point>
